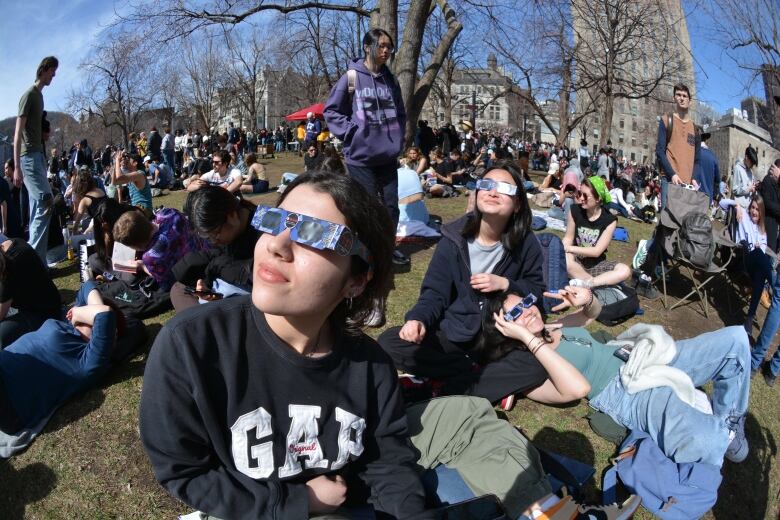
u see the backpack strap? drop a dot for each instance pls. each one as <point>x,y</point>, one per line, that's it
<point>609,480</point>
<point>351,81</point>
<point>669,127</point>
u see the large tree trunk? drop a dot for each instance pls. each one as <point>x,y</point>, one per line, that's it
<point>415,91</point>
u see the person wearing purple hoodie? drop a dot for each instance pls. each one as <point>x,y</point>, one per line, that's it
<point>370,121</point>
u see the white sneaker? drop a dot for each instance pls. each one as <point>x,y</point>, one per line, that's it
<point>640,255</point>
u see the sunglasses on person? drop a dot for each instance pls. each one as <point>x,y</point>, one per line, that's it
<point>517,311</point>
<point>216,163</point>
<point>501,187</point>
<point>313,232</point>
<point>582,195</point>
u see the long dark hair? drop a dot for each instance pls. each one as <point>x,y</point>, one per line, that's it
<point>518,225</point>
<point>369,220</point>
<point>371,40</point>
<point>107,213</point>
<point>491,345</point>
<point>208,207</point>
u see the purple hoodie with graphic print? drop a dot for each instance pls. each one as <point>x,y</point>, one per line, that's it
<point>370,122</point>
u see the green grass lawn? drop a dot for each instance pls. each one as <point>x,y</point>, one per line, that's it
<point>89,463</point>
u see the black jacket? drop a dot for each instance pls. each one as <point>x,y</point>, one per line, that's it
<point>154,143</point>
<point>447,300</point>
<point>770,191</point>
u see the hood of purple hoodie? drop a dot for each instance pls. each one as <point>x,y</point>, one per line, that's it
<point>371,121</point>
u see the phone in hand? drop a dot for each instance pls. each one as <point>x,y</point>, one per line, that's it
<point>202,293</point>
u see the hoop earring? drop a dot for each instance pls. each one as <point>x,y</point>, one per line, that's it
<point>349,303</point>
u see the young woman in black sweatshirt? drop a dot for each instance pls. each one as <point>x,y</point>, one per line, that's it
<point>274,405</point>
<point>490,249</point>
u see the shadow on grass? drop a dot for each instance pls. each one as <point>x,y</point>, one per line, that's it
<point>64,271</point>
<point>23,486</point>
<point>84,404</point>
<point>573,445</point>
<point>745,486</point>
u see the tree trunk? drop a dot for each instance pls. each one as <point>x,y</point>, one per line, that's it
<point>606,120</point>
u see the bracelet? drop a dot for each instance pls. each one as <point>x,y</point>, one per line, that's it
<point>538,345</point>
<point>593,309</point>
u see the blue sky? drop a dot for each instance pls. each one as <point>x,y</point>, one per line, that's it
<point>32,29</point>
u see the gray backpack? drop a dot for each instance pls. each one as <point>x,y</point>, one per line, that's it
<point>695,240</point>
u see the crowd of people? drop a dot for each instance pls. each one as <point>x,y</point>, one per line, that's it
<point>262,397</point>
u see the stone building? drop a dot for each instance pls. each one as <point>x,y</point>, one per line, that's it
<point>499,106</point>
<point>732,134</point>
<point>635,121</point>
<point>771,77</point>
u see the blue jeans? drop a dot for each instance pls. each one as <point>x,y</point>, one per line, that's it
<point>682,432</point>
<point>169,158</point>
<point>617,207</point>
<point>759,266</point>
<point>768,330</point>
<point>381,181</point>
<point>34,170</point>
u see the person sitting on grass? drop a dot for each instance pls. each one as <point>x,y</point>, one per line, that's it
<point>26,286</point>
<point>256,180</point>
<point>654,392</point>
<point>162,242</point>
<point>63,358</point>
<point>751,235</point>
<point>440,175</point>
<point>589,231</point>
<point>127,170</point>
<point>490,249</point>
<point>87,197</point>
<point>415,160</point>
<point>226,222</point>
<point>222,175</point>
<point>159,174</point>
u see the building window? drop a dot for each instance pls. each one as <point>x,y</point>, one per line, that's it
<point>645,146</point>
<point>633,141</point>
<point>622,124</point>
<point>633,126</point>
<point>595,132</point>
<point>621,138</point>
<point>633,156</point>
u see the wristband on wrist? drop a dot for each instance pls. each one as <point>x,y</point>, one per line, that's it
<point>593,309</point>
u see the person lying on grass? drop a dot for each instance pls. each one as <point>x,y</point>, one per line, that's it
<point>43,369</point>
<point>653,392</point>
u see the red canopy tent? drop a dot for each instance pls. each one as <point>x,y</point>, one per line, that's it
<point>300,115</point>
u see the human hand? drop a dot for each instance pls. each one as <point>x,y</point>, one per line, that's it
<point>676,179</point>
<point>18,177</point>
<point>413,331</point>
<point>69,315</point>
<point>738,213</point>
<point>570,297</point>
<point>326,493</point>
<point>205,291</point>
<point>512,329</point>
<point>485,282</point>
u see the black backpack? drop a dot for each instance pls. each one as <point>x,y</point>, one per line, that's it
<point>141,300</point>
<point>618,304</point>
<point>695,241</point>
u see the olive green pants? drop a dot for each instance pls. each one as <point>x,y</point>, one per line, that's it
<point>491,456</point>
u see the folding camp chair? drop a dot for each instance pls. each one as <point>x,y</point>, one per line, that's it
<point>682,202</point>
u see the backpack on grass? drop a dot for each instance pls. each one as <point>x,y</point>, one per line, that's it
<point>668,490</point>
<point>141,300</point>
<point>618,304</point>
<point>553,267</point>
